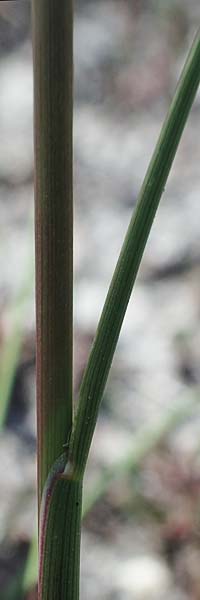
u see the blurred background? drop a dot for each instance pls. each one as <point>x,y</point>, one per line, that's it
<point>141,528</point>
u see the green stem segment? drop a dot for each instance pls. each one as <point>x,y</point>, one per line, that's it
<point>52,43</point>
<point>101,356</point>
<point>60,536</point>
<point>61,499</point>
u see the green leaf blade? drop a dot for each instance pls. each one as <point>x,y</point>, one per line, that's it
<point>102,352</point>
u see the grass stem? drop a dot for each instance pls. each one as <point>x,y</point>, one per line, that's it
<point>52,43</point>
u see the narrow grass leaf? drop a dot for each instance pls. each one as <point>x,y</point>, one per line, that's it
<point>101,356</point>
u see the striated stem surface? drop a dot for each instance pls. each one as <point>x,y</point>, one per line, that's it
<point>53,75</point>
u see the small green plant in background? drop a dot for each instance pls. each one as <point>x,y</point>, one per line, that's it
<point>64,440</point>
<point>12,345</point>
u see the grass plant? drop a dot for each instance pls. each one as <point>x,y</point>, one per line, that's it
<point>64,440</point>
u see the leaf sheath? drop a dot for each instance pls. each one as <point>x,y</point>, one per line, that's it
<point>60,536</point>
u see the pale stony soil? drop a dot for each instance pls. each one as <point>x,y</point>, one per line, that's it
<point>142,539</point>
